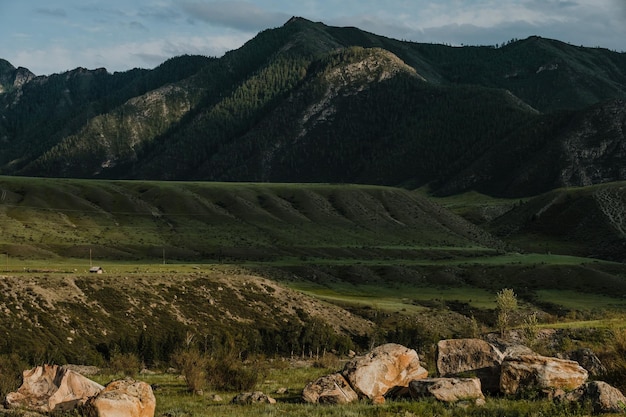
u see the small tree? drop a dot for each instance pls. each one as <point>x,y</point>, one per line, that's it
<point>531,328</point>
<point>506,304</point>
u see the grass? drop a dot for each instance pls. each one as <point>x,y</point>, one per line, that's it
<point>581,301</point>
<point>397,297</point>
<point>133,220</point>
<point>174,400</point>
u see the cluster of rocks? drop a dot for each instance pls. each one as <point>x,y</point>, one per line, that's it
<point>392,371</point>
<point>53,388</point>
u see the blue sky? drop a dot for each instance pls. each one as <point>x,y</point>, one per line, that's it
<point>50,36</point>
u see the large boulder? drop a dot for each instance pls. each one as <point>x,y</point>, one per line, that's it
<point>329,389</point>
<point>603,397</point>
<point>448,389</point>
<point>456,357</point>
<point>534,373</point>
<point>123,398</point>
<point>384,368</point>
<point>51,388</point>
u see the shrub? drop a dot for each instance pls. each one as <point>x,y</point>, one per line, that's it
<point>506,304</point>
<point>127,364</point>
<point>327,361</point>
<point>11,368</point>
<point>230,374</point>
<point>193,367</point>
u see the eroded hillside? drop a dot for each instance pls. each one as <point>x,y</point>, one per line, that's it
<point>61,317</point>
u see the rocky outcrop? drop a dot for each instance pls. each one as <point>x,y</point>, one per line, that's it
<point>384,368</point>
<point>459,356</point>
<point>329,389</point>
<point>603,397</point>
<point>536,373</point>
<point>392,370</point>
<point>123,398</point>
<point>588,360</point>
<point>51,388</point>
<point>256,397</point>
<point>448,389</point>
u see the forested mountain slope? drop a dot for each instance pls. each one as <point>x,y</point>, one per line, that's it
<point>310,102</point>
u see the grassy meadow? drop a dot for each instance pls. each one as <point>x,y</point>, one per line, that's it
<point>277,273</point>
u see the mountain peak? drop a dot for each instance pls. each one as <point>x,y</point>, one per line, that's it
<point>11,77</point>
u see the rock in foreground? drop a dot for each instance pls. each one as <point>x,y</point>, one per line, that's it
<point>384,368</point>
<point>448,389</point>
<point>329,389</point>
<point>256,397</point>
<point>458,356</point>
<point>123,398</point>
<point>52,388</point>
<point>537,373</point>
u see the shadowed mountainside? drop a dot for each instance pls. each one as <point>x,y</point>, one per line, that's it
<point>307,102</point>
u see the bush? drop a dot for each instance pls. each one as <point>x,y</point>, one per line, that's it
<point>231,374</point>
<point>11,369</point>
<point>127,364</point>
<point>327,361</point>
<point>193,367</point>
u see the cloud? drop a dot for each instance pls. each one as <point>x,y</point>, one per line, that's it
<point>239,15</point>
<point>121,57</point>
<point>51,12</point>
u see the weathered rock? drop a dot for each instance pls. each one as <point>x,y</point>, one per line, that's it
<point>603,397</point>
<point>123,398</point>
<point>51,388</point>
<point>587,359</point>
<point>448,389</point>
<point>256,397</point>
<point>536,373</point>
<point>382,369</point>
<point>515,351</point>
<point>459,356</point>
<point>329,389</point>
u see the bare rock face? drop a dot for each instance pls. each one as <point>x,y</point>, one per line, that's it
<point>448,389</point>
<point>256,397</point>
<point>536,373</point>
<point>458,356</point>
<point>123,398</point>
<point>51,388</point>
<point>384,368</point>
<point>329,389</point>
<point>603,397</point>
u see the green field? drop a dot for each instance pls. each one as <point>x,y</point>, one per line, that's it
<point>273,271</point>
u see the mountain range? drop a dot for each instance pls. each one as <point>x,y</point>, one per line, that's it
<point>307,102</point>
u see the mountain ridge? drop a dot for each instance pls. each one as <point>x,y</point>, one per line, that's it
<point>252,115</point>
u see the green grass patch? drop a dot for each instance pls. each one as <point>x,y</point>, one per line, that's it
<point>573,300</point>
<point>394,298</point>
<point>173,400</point>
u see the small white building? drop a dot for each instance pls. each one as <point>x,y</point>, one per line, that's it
<point>96,270</point>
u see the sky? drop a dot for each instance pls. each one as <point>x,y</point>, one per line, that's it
<point>53,36</point>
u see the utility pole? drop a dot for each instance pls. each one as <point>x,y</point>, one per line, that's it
<point>163,256</point>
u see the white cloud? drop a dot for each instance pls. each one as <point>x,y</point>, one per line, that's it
<point>121,57</point>
<point>120,35</point>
